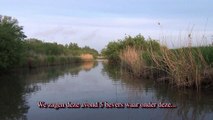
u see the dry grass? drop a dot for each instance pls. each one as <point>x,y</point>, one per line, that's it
<point>87,57</point>
<point>131,58</point>
<point>184,66</point>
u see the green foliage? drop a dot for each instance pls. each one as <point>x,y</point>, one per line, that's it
<point>40,53</point>
<point>114,48</point>
<point>37,47</point>
<point>51,60</point>
<point>207,52</point>
<point>74,49</point>
<point>138,42</point>
<point>74,46</point>
<point>15,51</point>
<point>11,45</point>
<point>89,50</point>
<point>112,51</point>
<point>34,46</point>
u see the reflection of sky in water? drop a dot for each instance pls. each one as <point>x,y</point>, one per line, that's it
<point>98,82</point>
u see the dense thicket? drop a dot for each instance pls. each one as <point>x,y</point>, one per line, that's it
<point>113,49</point>
<point>15,50</point>
<point>37,47</point>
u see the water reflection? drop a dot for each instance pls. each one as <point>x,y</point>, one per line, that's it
<point>47,74</point>
<point>12,100</point>
<point>191,105</point>
<point>93,82</point>
<point>88,65</point>
<point>16,87</point>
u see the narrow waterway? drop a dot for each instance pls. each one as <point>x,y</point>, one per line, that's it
<point>101,84</point>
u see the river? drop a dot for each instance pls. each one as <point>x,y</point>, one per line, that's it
<point>110,88</point>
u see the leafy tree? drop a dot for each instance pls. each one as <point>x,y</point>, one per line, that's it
<point>112,51</point>
<point>73,46</point>
<point>11,36</point>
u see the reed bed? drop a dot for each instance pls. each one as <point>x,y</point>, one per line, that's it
<point>185,67</point>
<point>131,59</point>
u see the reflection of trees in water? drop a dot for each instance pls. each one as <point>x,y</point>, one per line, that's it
<point>133,86</point>
<point>88,65</point>
<point>47,74</point>
<point>112,71</point>
<point>116,73</point>
<point>15,87</point>
<point>191,105</point>
<point>12,101</point>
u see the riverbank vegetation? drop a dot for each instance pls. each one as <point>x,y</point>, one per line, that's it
<point>182,67</point>
<point>17,51</point>
<point>40,53</point>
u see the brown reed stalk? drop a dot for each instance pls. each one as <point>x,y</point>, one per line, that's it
<point>131,59</point>
<point>184,66</point>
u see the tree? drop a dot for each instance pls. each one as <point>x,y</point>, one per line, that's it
<point>11,36</point>
<point>73,46</point>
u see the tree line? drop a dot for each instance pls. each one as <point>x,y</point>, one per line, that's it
<point>16,49</point>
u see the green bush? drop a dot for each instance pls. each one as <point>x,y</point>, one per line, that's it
<point>207,53</point>
<point>113,49</point>
<point>11,45</point>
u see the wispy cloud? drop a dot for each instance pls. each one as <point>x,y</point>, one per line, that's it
<point>95,22</point>
<point>56,30</point>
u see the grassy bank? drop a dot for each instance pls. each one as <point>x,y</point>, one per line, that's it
<point>188,67</point>
<point>38,61</point>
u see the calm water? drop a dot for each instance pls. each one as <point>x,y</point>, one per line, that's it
<point>90,83</point>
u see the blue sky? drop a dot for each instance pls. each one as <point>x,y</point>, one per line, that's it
<point>96,22</point>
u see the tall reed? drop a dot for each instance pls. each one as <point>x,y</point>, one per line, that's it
<point>185,66</point>
<point>131,59</point>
